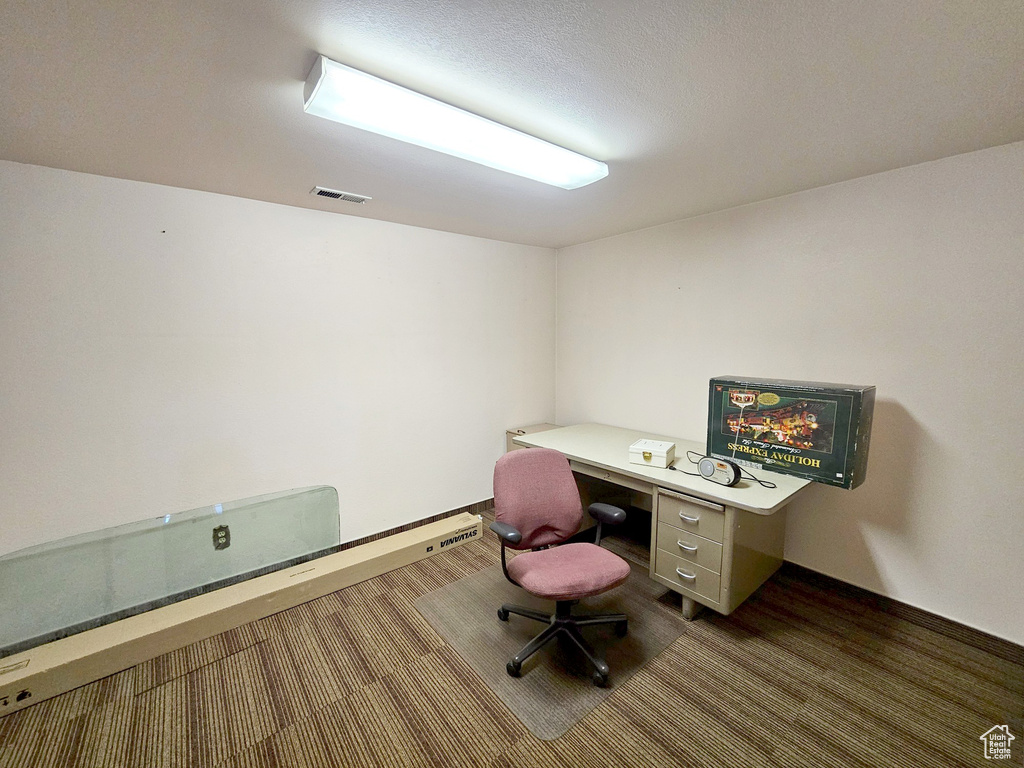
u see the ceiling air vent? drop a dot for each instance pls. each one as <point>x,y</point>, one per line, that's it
<point>336,194</point>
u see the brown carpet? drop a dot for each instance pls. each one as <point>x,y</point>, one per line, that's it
<point>555,690</point>
<point>808,673</point>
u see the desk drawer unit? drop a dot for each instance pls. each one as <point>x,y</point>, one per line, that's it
<point>689,546</point>
<point>713,554</point>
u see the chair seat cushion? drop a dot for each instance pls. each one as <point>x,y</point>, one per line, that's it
<point>568,572</point>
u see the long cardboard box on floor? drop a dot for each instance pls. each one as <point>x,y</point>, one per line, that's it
<point>32,676</point>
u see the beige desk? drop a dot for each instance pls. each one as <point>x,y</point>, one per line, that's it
<point>712,544</point>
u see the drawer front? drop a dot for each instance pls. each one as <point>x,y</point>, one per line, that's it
<point>610,476</point>
<point>689,546</point>
<point>688,575</point>
<point>703,518</point>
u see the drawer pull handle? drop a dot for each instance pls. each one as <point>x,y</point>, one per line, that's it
<point>685,575</point>
<point>688,519</point>
<point>687,547</point>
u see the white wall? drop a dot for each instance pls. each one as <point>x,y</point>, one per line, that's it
<point>163,349</point>
<point>909,280</point>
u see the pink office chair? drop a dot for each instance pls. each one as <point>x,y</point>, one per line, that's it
<point>537,507</point>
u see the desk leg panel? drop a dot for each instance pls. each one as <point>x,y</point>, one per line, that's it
<point>755,552</point>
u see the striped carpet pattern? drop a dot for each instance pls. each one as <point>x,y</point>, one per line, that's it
<point>808,672</point>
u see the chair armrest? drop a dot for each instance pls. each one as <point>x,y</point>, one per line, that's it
<point>606,513</point>
<point>508,534</point>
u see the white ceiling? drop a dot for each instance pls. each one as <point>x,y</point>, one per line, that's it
<point>696,105</point>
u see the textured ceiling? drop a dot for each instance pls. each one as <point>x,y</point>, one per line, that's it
<point>695,105</point>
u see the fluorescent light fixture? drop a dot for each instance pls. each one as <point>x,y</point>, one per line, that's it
<point>355,98</point>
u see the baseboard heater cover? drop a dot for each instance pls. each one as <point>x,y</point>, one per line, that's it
<point>48,670</point>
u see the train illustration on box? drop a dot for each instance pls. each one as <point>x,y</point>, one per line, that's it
<point>802,424</point>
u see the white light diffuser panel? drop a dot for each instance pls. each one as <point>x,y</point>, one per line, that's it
<point>348,96</point>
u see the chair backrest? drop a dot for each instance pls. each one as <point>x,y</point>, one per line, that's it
<point>535,492</point>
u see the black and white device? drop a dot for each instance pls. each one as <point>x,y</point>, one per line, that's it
<point>720,471</point>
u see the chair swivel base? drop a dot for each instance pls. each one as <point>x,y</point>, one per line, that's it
<point>562,622</point>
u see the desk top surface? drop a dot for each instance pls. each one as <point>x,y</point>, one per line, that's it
<point>608,447</point>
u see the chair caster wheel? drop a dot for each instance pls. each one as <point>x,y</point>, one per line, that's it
<point>503,614</point>
<point>621,629</point>
<point>600,680</point>
<point>513,668</point>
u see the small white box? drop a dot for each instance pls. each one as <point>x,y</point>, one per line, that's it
<point>653,453</point>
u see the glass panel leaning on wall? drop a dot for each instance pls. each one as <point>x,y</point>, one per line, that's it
<point>70,585</point>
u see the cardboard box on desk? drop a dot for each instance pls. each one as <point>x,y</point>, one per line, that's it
<point>813,430</point>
